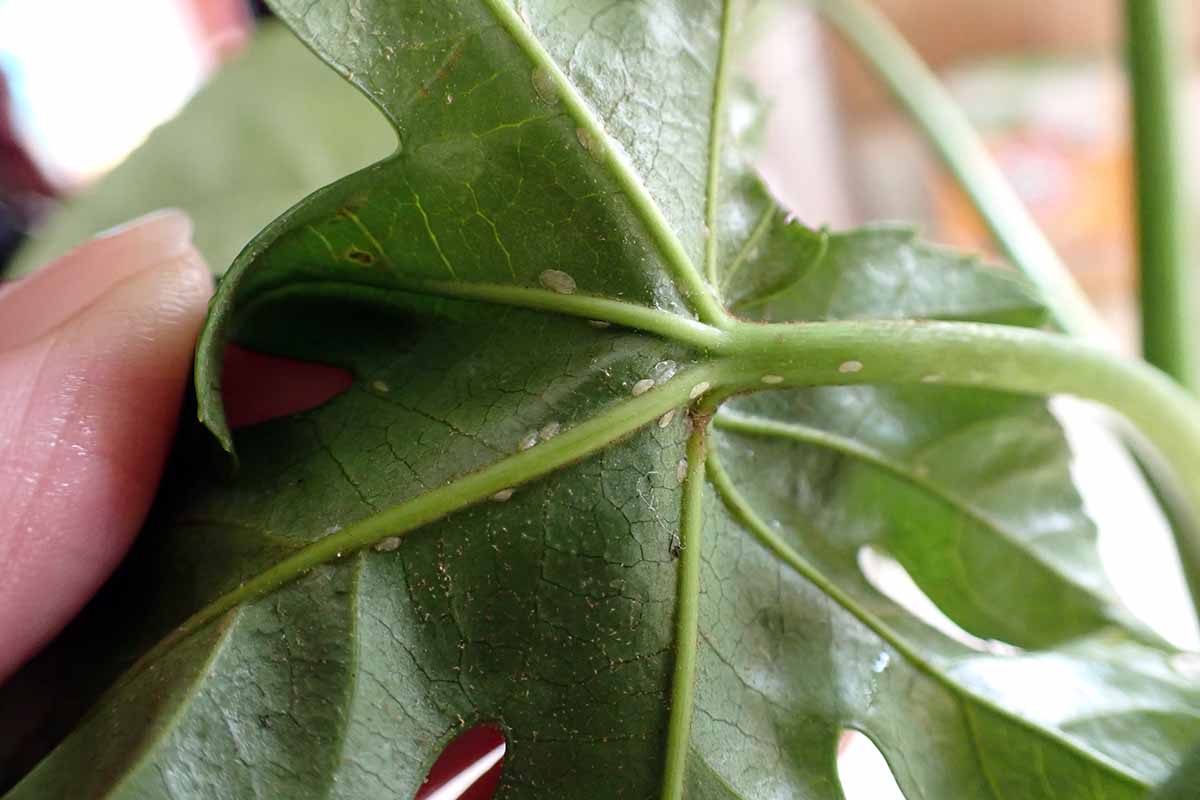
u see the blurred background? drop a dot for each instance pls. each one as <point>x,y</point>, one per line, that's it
<point>77,98</point>
<point>1042,80</point>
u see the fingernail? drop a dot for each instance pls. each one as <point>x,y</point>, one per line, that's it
<point>59,291</point>
<point>163,227</point>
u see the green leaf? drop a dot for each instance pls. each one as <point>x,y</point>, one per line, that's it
<point>544,503</point>
<point>268,129</point>
<point>1184,783</point>
<point>786,272</point>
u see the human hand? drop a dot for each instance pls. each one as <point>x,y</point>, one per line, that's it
<point>95,352</point>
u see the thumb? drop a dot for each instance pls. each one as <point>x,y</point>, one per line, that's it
<point>88,409</point>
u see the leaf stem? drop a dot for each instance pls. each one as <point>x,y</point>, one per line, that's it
<point>590,307</point>
<point>687,618</point>
<point>951,133</point>
<point>987,356</point>
<point>1165,296</point>
<point>521,467</point>
<point>1157,64</point>
<point>716,128</point>
<point>742,511</point>
<point>689,279</point>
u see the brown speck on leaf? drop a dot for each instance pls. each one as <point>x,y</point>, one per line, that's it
<point>352,204</point>
<point>456,55</point>
<point>360,256</point>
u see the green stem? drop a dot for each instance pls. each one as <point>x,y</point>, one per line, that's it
<point>475,487</point>
<point>959,146</point>
<point>947,127</point>
<point>688,278</point>
<point>987,356</point>
<point>1157,65</point>
<point>742,511</point>
<point>687,620</point>
<point>753,356</point>
<point>603,310</point>
<point>716,128</point>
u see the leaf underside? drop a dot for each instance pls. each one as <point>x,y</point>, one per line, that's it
<point>596,140</point>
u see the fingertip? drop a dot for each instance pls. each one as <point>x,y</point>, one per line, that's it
<point>86,421</point>
<point>66,286</point>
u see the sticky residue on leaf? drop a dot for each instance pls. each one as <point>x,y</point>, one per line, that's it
<point>557,281</point>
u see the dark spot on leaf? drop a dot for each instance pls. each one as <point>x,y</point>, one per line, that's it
<point>360,256</point>
<point>353,204</point>
<point>476,752</point>
<point>456,55</point>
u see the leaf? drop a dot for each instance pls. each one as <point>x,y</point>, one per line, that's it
<point>270,128</point>
<point>880,272</point>
<point>1184,782</point>
<point>520,516</point>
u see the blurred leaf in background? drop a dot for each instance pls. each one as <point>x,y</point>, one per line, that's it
<point>270,128</point>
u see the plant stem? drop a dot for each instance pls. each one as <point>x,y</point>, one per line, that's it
<point>474,487</point>
<point>770,539</point>
<point>634,316</point>
<point>712,190</point>
<point>951,133</point>
<point>689,279</point>
<point>959,146</point>
<point>1157,65</point>
<point>687,620</point>
<point>987,356</point>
